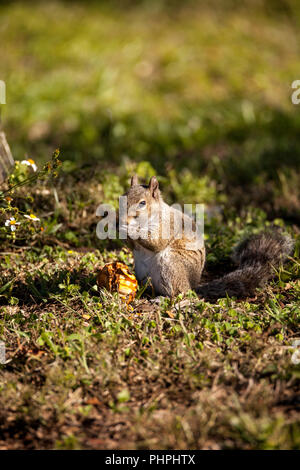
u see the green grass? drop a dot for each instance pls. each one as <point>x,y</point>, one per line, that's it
<point>200,96</point>
<point>202,88</point>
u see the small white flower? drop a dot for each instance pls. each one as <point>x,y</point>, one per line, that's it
<point>32,217</point>
<point>30,163</point>
<point>11,223</point>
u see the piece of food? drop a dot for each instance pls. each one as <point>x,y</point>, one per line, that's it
<point>116,277</point>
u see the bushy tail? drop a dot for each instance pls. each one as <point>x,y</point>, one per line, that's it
<point>256,257</point>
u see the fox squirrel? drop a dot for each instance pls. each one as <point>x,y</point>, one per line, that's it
<point>175,263</point>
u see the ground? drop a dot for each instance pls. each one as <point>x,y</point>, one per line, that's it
<point>200,96</point>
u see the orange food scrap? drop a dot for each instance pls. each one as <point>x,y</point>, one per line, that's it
<point>116,277</point>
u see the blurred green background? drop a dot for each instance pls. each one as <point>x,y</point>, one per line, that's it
<point>199,90</point>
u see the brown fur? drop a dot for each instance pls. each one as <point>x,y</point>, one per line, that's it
<point>174,267</point>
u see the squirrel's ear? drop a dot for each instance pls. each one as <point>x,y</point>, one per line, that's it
<point>134,180</point>
<point>154,187</point>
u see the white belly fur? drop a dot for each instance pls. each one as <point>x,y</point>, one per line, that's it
<point>147,264</point>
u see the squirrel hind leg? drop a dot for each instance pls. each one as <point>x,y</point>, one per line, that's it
<point>174,281</point>
<point>174,288</point>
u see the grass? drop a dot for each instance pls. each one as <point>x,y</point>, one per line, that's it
<point>199,95</point>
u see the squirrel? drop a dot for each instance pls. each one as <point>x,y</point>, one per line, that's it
<point>174,263</point>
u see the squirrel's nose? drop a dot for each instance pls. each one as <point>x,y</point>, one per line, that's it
<point>130,219</point>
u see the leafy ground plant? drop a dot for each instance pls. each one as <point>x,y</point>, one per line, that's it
<point>15,208</point>
<point>86,371</point>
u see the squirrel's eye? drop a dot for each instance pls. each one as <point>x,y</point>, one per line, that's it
<point>142,203</point>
